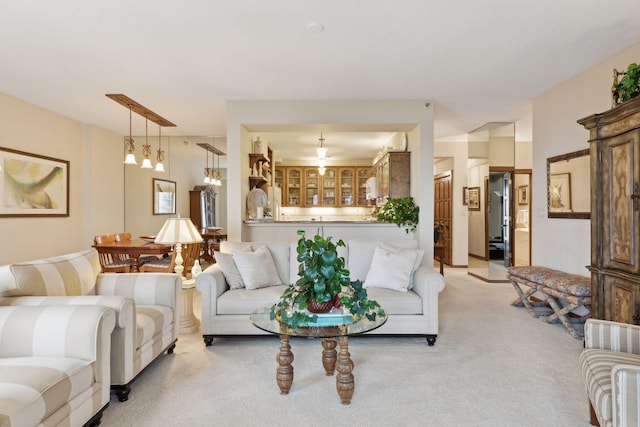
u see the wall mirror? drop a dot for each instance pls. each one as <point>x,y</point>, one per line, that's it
<point>568,185</point>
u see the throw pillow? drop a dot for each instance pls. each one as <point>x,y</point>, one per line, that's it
<point>229,270</point>
<point>257,268</point>
<point>391,270</point>
<point>396,249</point>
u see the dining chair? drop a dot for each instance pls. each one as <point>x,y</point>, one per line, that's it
<point>121,237</point>
<point>111,263</point>
<point>190,252</point>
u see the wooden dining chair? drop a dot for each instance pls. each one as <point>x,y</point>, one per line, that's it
<point>190,252</point>
<point>111,263</point>
<point>121,237</point>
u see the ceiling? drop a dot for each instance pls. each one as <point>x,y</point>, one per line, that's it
<point>477,61</point>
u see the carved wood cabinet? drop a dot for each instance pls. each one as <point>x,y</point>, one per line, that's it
<point>615,229</point>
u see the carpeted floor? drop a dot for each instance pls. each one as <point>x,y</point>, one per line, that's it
<point>492,365</point>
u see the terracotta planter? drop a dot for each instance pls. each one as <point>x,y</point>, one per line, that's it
<point>319,307</point>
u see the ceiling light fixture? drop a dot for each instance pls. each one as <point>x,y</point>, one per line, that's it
<point>322,170</point>
<point>216,173</point>
<point>130,159</point>
<point>207,171</point>
<point>160,156</point>
<point>146,148</point>
<point>321,149</point>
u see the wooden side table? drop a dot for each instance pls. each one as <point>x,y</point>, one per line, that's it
<point>187,321</point>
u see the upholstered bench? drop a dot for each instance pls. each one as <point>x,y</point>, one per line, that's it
<point>560,292</point>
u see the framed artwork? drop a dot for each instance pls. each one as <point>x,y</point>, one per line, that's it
<point>465,196</point>
<point>33,185</point>
<point>523,195</point>
<point>560,192</point>
<point>164,197</point>
<point>474,198</point>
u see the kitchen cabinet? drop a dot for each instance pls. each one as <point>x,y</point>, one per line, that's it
<point>393,176</point>
<point>329,192</point>
<point>311,187</point>
<point>615,212</point>
<point>347,186</point>
<point>293,180</point>
<point>362,174</point>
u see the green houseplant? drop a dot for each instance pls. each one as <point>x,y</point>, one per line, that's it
<point>629,85</point>
<point>323,280</point>
<point>401,211</point>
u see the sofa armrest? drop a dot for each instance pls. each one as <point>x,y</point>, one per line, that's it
<point>614,336</point>
<point>211,284</point>
<point>428,283</point>
<point>122,306</point>
<point>79,331</point>
<point>143,288</point>
<point>625,382</point>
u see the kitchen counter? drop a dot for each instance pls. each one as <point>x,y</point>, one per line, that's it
<point>264,230</point>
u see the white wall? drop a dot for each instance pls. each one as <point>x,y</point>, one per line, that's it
<point>95,187</point>
<point>410,116</point>
<point>565,243</point>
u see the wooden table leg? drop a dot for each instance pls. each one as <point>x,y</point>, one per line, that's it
<point>329,355</point>
<point>344,380</point>
<point>135,264</point>
<point>284,372</point>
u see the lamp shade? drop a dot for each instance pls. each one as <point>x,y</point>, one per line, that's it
<point>178,230</point>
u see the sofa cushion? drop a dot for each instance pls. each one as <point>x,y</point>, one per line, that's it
<point>361,252</point>
<point>151,320</point>
<point>393,269</point>
<point>229,269</point>
<point>394,302</point>
<point>257,268</point>
<point>33,388</point>
<point>596,367</point>
<point>244,301</point>
<point>67,275</point>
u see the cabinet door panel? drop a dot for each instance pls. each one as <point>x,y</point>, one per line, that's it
<point>293,187</point>
<point>619,216</point>
<point>622,301</point>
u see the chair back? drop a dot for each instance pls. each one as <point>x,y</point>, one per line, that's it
<point>121,237</point>
<point>111,263</point>
<point>190,252</point>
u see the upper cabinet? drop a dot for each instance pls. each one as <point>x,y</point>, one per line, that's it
<point>291,191</point>
<point>329,180</point>
<point>362,174</point>
<point>393,176</point>
<point>347,186</point>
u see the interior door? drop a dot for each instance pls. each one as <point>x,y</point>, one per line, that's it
<point>442,210</point>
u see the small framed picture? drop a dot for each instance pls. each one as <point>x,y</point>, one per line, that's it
<point>523,195</point>
<point>474,198</point>
<point>164,197</point>
<point>465,196</point>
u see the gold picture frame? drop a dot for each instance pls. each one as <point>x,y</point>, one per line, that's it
<point>32,185</point>
<point>474,198</point>
<point>523,195</point>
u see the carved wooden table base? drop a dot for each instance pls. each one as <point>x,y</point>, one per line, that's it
<point>344,380</point>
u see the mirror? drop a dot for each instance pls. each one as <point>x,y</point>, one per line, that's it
<point>568,185</point>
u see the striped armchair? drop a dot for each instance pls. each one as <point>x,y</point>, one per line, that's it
<point>146,305</point>
<point>54,365</point>
<point>610,364</point>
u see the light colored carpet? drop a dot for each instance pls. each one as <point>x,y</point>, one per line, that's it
<point>492,365</point>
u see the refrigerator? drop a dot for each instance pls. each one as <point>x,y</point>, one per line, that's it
<point>274,201</point>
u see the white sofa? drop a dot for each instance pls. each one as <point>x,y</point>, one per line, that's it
<point>146,305</point>
<point>226,311</point>
<point>54,365</point>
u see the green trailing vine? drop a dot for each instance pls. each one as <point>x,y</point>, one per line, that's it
<point>401,211</point>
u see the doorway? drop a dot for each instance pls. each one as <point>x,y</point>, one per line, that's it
<point>442,207</point>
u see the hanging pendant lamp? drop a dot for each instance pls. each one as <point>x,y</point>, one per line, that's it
<point>130,159</point>
<point>146,148</point>
<point>160,157</point>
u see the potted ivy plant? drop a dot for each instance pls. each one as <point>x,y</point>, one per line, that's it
<point>323,284</point>
<point>629,85</point>
<point>401,211</point>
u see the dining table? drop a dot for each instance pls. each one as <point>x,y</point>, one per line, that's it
<point>134,249</point>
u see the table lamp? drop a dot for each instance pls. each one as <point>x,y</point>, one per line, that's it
<point>178,231</point>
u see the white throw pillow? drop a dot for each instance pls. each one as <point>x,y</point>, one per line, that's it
<point>257,268</point>
<point>390,247</point>
<point>229,270</point>
<point>391,270</point>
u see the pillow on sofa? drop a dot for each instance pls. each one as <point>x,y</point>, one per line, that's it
<point>229,269</point>
<point>67,275</point>
<point>390,247</point>
<point>257,268</point>
<point>392,270</point>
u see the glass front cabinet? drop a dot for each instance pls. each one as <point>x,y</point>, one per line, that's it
<point>294,182</point>
<point>311,187</point>
<point>347,186</point>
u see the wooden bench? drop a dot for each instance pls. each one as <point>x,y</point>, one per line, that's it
<point>561,293</point>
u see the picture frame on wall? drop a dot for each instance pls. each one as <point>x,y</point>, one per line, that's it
<point>465,196</point>
<point>560,192</point>
<point>474,198</point>
<point>32,185</point>
<point>164,197</point>
<point>523,195</point>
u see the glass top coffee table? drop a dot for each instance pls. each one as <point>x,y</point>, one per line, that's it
<point>330,335</point>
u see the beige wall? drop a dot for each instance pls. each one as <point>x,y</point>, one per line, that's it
<point>565,243</point>
<point>96,193</point>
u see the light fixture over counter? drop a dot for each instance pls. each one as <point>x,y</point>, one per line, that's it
<point>134,106</point>
<point>212,175</point>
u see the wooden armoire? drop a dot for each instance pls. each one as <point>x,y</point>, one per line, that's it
<point>615,212</point>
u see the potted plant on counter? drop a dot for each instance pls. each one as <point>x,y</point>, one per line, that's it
<point>324,284</point>
<point>401,211</point>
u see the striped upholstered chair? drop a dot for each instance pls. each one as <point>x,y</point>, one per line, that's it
<point>611,367</point>
<point>146,305</point>
<point>54,365</point>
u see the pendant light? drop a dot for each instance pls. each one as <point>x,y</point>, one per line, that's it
<point>321,149</point>
<point>130,159</point>
<point>216,173</point>
<point>160,157</point>
<point>207,179</point>
<point>146,148</point>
